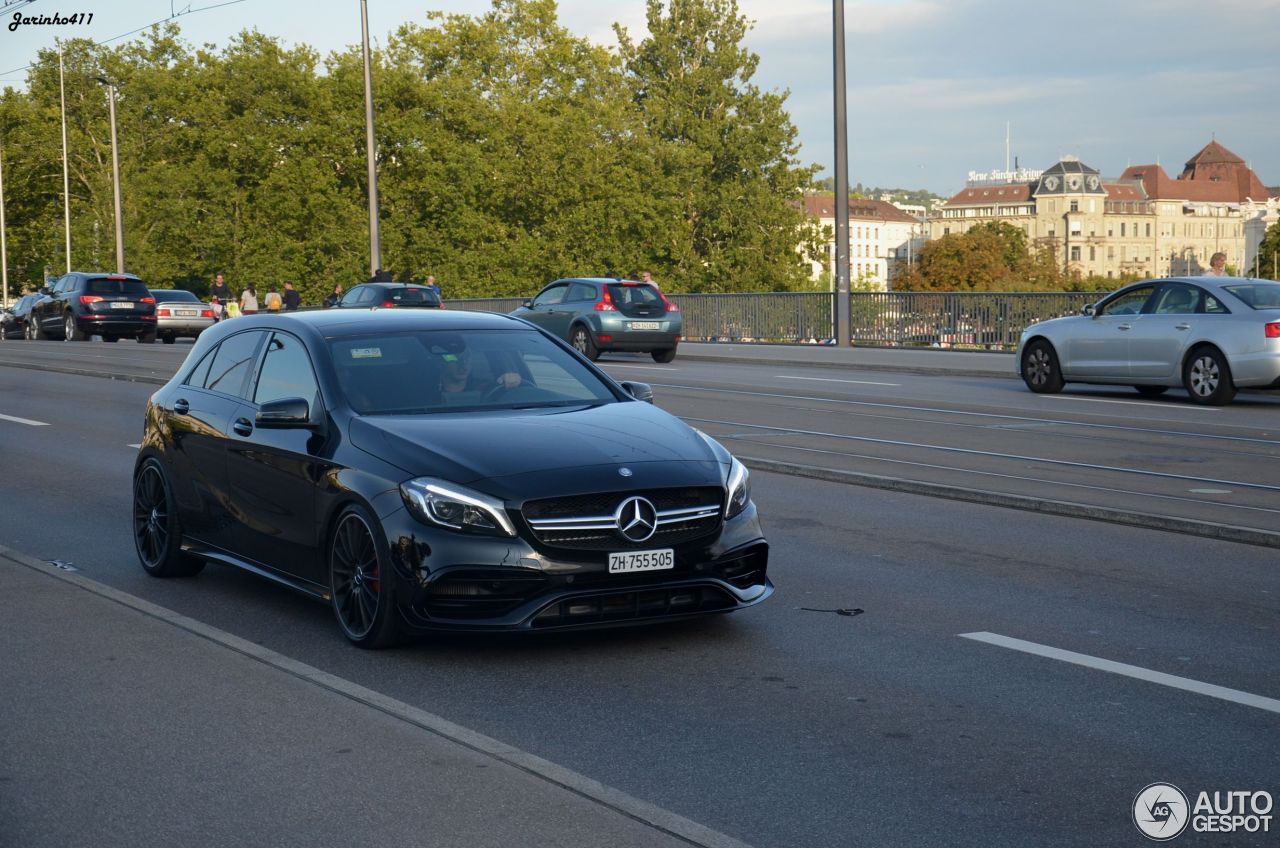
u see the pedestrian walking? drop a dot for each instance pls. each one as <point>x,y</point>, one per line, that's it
<point>249,300</point>
<point>292,298</point>
<point>1217,265</point>
<point>431,284</point>
<point>221,290</point>
<point>334,297</point>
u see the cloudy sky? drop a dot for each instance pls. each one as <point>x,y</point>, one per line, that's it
<point>932,83</point>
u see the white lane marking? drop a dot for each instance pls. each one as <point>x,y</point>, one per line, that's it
<point>138,447</point>
<point>972,452</point>
<point>830,380</point>
<point>16,420</point>
<point>1133,403</point>
<point>1137,672</point>
<point>641,367</point>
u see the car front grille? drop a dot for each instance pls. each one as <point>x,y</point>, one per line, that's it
<point>480,593</point>
<point>620,606</point>
<point>587,522</point>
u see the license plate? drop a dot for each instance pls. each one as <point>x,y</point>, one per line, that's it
<point>122,304</point>
<point>186,313</point>
<point>645,325</point>
<point>632,561</point>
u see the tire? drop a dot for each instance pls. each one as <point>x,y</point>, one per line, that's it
<point>72,333</point>
<point>157,533</point>
<point>147,337</point>
<point>169,339</point>
<point>111,338</point>
<point>663,355</point>
<point>1040,369</point>
<point>37,334</point>
<point>580,338</point>
<point>361,595</point>
<point>1151,391</point>
<point>1207,377</point>
<point>29,331</point>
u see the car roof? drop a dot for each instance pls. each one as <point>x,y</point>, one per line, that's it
<point>1214,282</point>
<point>346,322</point>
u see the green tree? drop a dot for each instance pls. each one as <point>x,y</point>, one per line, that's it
<point>723,178</point>
<point>1268,257</point>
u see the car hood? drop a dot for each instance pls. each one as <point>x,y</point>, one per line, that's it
<point>505,445</point>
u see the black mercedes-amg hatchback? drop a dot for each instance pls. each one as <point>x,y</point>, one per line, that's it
<point>423,470</point>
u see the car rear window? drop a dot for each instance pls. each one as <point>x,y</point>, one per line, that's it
<point>173,295</point>
<point>109,286</point>
<point>639,293</point>
<point>412,295</point>
<point>1258,295</point>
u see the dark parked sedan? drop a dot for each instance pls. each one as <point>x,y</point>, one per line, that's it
<point>14,319</point>
<point>425,470</point>
<point>599,314</point>
<point>389,296</point>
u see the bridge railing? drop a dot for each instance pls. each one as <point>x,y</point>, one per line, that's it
<point>952,320</point>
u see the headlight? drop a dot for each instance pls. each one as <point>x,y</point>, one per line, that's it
<point>739,489</point>
<point>448,505</point>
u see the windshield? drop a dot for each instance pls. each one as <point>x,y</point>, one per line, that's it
<point>453,371</point>
<point>1258,295</point>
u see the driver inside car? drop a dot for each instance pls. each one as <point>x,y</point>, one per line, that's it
<point>457,377</point>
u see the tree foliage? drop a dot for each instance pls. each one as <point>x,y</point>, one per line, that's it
<point>510,152</point>
<point>1268,255</point>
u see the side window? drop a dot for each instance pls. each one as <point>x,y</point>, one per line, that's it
<point>581,291</point>
<point>200,374</point>
<point>350,298</point>
<point>286,372</point>
<point>551,296</point>
<point>1129,303</point>
<point>233,363</point>
<point>1213,306</point>
<point>1177,299</point>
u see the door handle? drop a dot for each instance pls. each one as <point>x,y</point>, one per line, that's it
<point>242,426</point>
<point>1182,327</point>
<point>181,406</point>
<point>1125,327</point>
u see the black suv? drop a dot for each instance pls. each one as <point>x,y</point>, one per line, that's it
<point>389,295</point>
<point>79,305</point>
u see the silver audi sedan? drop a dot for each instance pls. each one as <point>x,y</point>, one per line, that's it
<point>1210,335</point>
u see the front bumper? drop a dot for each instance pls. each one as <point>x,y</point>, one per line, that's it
<point>451,581</point>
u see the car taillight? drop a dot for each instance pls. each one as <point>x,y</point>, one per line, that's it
<point>206,313</point>
<point>162,312</point>
<point>388,303</point>
<point>1273,330</point>
<point>87,299</point>
<point>147,300</point>
<point>605,303</point>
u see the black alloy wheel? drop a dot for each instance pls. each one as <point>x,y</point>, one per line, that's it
<point>580,338</point>
<point>29,331</point>
<point>1040,369</point>
<point>359,582</point>
<point>72,333</point>
<point>1151,391</point>
<point>1207,377</point>
<point>157,536</point>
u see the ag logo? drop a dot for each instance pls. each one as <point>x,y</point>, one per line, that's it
<point>1160,811</point>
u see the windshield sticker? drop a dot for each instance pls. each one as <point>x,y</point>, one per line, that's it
<point>366,353</point>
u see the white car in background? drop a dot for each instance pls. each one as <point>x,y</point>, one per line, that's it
<point>180,314</point>
<point>1210,335</point>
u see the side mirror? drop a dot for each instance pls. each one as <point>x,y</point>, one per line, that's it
<point>284,414</point>
<point>639,391</point>
<point>1087,309</point>
<point>528,304</point>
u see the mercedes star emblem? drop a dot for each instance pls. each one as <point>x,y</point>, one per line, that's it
<point>637,519</point>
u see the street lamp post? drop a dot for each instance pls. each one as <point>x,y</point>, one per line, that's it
<point>115,174</point>
<point>843,317</point>
<point>375,238</point>
<point>4,249</point>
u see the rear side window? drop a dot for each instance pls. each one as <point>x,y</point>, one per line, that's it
<point>233,362</point>
<point>638,294</point>
<point>412,296</point>
<point>105,286</point>
<point>1257,295</point>
<point>581,291</point>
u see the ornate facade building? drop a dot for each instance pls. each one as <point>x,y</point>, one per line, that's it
<point>1141,223</point>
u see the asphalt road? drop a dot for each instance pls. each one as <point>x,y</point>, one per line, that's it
<point>791,724</point>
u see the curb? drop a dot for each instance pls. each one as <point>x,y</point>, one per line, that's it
<point>700,356</point>
<point>84,372</point>
<point>671,824</point>
<point>1068,509</point>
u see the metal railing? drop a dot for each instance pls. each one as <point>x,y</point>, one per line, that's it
<point>960,321</point>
